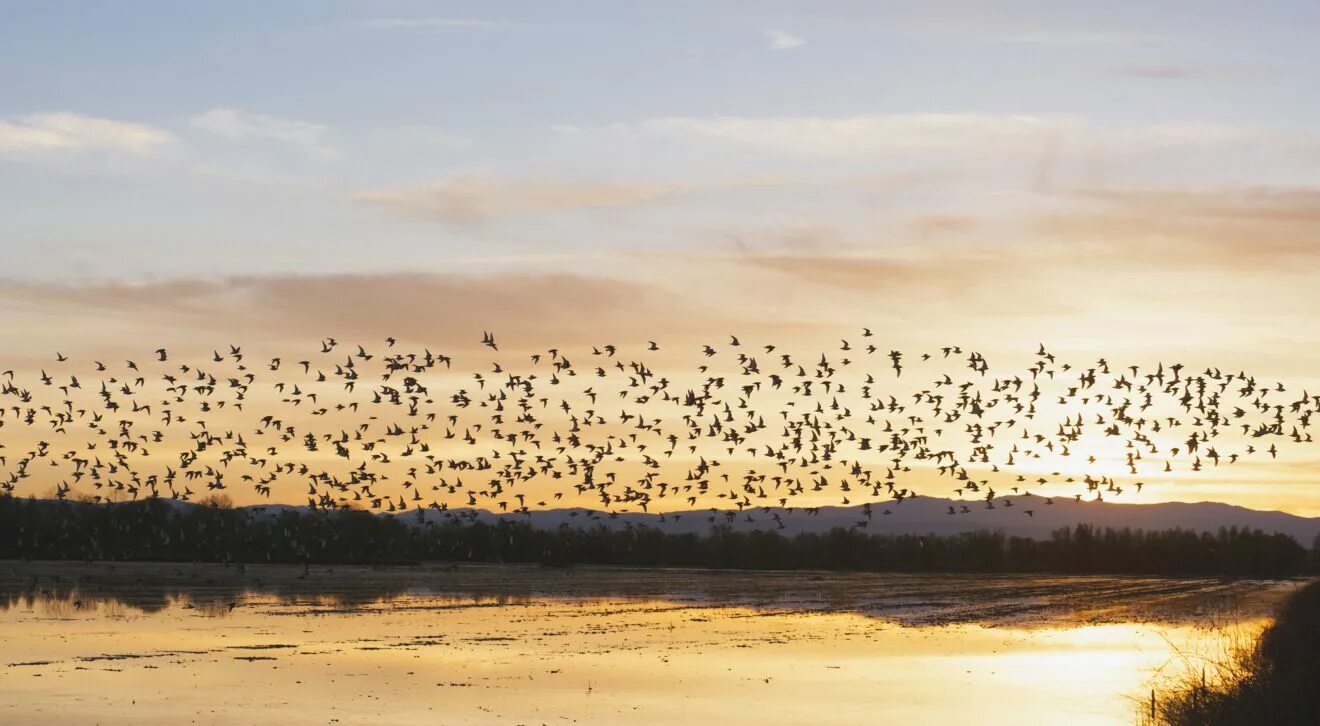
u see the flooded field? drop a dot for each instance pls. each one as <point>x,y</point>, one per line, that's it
<point>166,643</point>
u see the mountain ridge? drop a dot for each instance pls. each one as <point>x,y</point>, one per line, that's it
<point>917,515</point>
<point>929,515</point>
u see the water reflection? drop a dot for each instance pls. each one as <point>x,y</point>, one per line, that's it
<point>144,643</point>
<point>911,599</point>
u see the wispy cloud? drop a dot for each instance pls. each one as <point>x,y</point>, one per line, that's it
<point>477,198</point>
<point>925,133</point>
<point>848,136</point>
<point>1230,229</point>
<point>480,197</point>
<point>52,132</point>
<point>451,309</point>
<point>783,40</point>
<point>239,125</point>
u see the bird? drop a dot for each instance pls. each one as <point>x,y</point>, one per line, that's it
<point>755,435</point>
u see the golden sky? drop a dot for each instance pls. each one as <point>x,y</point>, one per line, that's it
<point>1109,185</point>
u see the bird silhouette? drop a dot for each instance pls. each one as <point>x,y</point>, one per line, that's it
<point>735,429</point>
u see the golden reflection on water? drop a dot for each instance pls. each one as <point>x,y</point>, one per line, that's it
<point>421,657</point>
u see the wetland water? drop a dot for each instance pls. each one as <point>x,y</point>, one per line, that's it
<point>175,643</point>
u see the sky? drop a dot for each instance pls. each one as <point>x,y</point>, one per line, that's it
<point>1138,181</point>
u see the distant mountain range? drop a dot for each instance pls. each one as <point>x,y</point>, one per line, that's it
<point>916,515</point>
<point>930,515</point>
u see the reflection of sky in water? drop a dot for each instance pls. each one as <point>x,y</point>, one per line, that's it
<point>526,653</point>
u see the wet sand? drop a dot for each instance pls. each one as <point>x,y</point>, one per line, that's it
<point>166,643</point>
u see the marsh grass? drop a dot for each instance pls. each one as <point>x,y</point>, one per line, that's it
<point>1272,679</point>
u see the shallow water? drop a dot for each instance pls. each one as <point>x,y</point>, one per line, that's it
<point>164,643</point>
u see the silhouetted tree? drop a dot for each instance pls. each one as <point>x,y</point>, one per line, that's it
<point>156,529</point>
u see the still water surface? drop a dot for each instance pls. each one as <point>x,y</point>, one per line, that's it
<point>166,643</point>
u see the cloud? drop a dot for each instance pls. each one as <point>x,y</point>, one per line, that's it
<point>1152,239</point>
<point>962,136</point>
<point>53,132</point>
<point>439,309</point>
<point>478,198</point>
<point>863,272</point>
<point>932,225</point>
<point>1181,134</point>
<point>239,125</point>
<point>1207,269</point>
<point>849,136</point>
<point>783,40</point>
<point>1230,229</point>
<point>1258,204</point>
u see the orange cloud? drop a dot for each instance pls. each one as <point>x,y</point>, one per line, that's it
<point>475,199</point>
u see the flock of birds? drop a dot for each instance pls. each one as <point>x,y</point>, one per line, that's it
<point>744,429</point>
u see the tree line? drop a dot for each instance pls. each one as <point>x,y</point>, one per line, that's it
<point>160,530</point>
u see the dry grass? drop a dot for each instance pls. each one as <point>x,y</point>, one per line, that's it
<point>1273,680</point>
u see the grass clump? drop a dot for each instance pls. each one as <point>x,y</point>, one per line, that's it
<point>1275,680</point>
